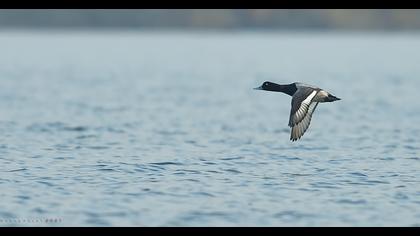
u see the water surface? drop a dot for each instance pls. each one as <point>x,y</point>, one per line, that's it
<point>164,129</point>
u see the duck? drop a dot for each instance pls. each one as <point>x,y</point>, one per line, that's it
<point>305,99</point>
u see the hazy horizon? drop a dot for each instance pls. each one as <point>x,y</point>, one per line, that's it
<point>222,19</point>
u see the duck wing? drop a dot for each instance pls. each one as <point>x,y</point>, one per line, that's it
<point>301,112</point>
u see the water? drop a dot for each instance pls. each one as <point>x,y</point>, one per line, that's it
<point>164,129</point>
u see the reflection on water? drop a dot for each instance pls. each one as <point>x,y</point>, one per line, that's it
<point>155,129</point>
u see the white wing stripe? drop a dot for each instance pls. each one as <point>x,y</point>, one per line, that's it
<point>304,107</point>
<point>300,128</point>
<point>309,98</point>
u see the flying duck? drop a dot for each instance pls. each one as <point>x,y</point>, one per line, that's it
<point>305,99</point>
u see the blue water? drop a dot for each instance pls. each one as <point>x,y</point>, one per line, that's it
<point>164,129</point>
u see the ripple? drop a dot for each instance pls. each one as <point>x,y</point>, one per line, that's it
<point>98,147</point>
<point>75,128</point>
<point>213,171</point>
<point>391,146</point>
<point>7,215</point>
<point>409,147</point>
<point>292,215</point>
<point>63,158</point>
<point>189,171</point>
<point>21,169</point>
<point>109,129</point>
<point>231,158</point>
<point>39,210</point>
<point>377,182</point>
<point>87,136</point>
<point>365,182</point>
<point>108,170</point>
<point>283,130</point>
<point>293,158</point>
<point>400,196</point>
<point>192,180</point>
<point>55,126</point>
<point>108,109</point>
<point>212,213</point>
<point>170,133</point>
<point>352,202</point>
<point>324,185</point>
<point>297,174</point>
<point>45,183</point>
<point>166,163</point>
<point>205,194</point>
<point>314,148</point>
<point>358,174</point>
<point>232,171</point>
<point>209,163</point>
<point>22,197</point>
<point>97,221</point>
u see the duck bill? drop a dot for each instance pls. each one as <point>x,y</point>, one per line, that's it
<point>332,98</point>
<point>258,88</point>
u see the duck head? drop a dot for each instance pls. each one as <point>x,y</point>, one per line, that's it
<point>269,86</point>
